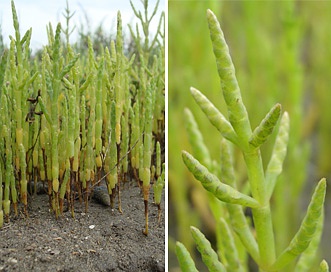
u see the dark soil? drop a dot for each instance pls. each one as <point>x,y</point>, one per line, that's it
<point>100,240</point>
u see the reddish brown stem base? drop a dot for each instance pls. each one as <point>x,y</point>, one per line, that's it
<point>159,213</point>
<point>145,232</point>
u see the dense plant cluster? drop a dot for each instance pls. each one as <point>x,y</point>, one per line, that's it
<point>72,120</point>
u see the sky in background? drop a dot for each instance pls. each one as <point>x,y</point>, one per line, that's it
<point>38,13</point>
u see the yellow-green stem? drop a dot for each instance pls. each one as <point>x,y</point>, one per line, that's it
<point>261,215</point>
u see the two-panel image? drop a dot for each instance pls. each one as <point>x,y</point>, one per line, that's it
<point>155,135</point>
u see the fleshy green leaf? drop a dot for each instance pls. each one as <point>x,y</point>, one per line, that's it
<point>201,152</point>
<point>238,116</point>
<point>275,165</point>
<point>185,260</point>
<point>231,253</point>
<point>226,164</point>
<point>215,117</point>
<point>307,258</point>
<point>212,184</point>
<point>307,230</point>
<point>264,130</point>
<point>199,148</point>
<point>324,267</point>
<point>68,67</point>
<point>208,255</point>
<point>27,36</point>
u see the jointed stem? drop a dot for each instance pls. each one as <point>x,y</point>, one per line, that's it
<point>222,185</point>
<point>261,215</point>
<point>256,175</point>
<point>239,120</point>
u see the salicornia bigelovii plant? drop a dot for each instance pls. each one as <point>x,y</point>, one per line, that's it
<point>227,202</point>
<point>79,124</point>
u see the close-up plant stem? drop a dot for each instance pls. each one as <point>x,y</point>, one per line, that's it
<point>238,118</point>
<point>221,183</point>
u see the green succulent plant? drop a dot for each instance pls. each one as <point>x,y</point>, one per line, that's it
<point>228,202</point>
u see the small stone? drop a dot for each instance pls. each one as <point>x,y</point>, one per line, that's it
<point>12,260</point>
<point>29,248</point>
<point>55,252</point>
<point>91,226</point>
<point>44,259</point>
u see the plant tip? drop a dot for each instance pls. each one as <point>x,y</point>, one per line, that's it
<point>193,228</point>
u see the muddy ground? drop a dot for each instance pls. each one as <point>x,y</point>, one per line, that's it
<point>100,240</point>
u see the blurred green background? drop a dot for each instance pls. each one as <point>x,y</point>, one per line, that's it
<point>282,53</point>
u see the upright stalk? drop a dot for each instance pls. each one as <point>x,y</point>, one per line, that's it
<point>238,118</point>
<point>146,171</point>
<point>19,82</point>
<point>54,116</point>
<point>261,184</point>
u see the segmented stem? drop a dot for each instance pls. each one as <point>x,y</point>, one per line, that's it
<point>212,184</point>
<point>209,256</point>
<point>238,116</point>
<point>200,150</point>
<point>308,227</point>
<point>275,165</point>
<point>185,260</point>
<point>230,253</point>
<point>265,129</point>
<point>215,117</point>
